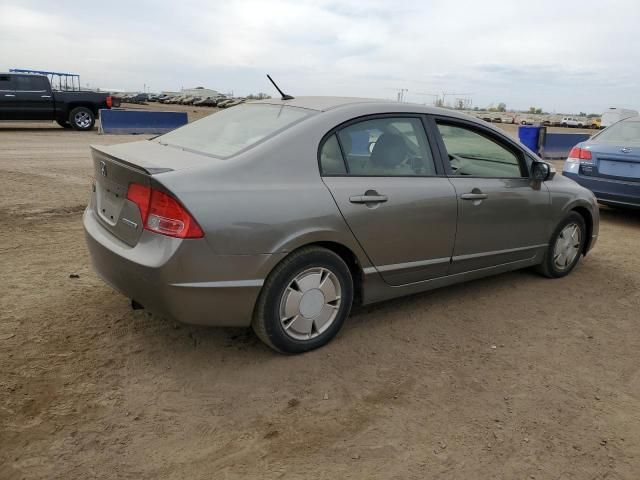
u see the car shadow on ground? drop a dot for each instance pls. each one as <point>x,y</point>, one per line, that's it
<point>239,341</point>
<point>620,216</point>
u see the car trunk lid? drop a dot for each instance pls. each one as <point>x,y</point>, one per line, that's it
<point>116,167</point>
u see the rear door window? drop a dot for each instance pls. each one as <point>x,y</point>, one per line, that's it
<point>381,147</point>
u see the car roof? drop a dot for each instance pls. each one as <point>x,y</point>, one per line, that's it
<point>324,104</point>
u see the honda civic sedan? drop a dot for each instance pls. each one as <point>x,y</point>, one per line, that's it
<point>282,214</point>
<point>609,164</point>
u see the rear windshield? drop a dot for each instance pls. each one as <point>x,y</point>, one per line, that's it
<point>626,132</point>
<point>226,133</point>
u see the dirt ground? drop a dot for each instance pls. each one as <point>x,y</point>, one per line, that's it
<point>512,377</point>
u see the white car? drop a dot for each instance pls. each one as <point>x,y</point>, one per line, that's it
<point>571,122</point>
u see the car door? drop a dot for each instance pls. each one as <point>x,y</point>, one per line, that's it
<point>7,98</point>
<point>392,192</point>
<point>33,95</point>
<point>503,217</point>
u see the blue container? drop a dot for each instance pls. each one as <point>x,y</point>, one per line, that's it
<point>529,136</point>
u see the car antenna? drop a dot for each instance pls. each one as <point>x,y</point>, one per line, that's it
<point>284,95</point>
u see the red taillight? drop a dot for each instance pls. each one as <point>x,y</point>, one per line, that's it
<point>161,213</point>
<point>109,101</point>
<point>580,153</point>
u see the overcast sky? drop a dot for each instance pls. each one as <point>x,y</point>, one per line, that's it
<point>561,55</point>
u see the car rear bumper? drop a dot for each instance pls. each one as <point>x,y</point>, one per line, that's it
<point>606,190</point>
<point>179,279</point>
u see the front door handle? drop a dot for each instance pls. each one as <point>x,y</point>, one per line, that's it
<point>9,95</point>
<point>368,198</point>
<point>45,96</point>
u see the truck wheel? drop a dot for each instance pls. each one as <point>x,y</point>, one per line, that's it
<point>81,118</point>
<point>63,124</point>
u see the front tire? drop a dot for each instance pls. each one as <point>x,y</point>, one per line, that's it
<point>304,301</point>
<point>566,246</point>
<point>82,119</point>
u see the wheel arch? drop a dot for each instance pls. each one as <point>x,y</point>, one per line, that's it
<point>588,220</point>
<point>345,253</point>
<point>91,106</point>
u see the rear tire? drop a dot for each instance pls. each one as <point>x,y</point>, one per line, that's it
<point>304,301</point>
<point>82,119</point>
<point>566,246</point>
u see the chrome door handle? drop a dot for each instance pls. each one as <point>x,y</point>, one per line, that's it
<point>474,196</point>
<point>9,95</point>
<point>368,199</point>
<point>45,96</point>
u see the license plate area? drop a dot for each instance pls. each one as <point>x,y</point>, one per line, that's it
<point>619,169</point>
<point>110,198</point>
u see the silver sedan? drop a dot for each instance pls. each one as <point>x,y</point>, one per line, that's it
<point>282,214</point>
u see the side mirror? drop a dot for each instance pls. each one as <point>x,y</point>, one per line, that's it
<point>541,171</point>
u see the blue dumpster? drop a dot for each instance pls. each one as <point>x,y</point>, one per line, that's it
<point>530,136</point>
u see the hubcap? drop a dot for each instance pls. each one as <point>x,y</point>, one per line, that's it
<point>567,246</point>
<point>82,119</point>
<point>310,303</point>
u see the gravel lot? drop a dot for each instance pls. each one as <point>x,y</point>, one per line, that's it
<point>512,377</point>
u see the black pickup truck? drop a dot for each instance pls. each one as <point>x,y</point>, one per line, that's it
<point>30,97</point>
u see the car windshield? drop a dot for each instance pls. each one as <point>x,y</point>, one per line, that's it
<point>626,132</point>
<point>228,132</point>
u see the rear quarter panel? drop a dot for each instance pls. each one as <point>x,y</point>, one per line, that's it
<point>268,200</point>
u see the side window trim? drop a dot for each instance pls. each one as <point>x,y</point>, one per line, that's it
<point>500,139</point>
<point>342,154</point>
<point>433,148</point>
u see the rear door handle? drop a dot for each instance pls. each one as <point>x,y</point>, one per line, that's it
<point>474,196</point>
<point>45,96</point>
<point>368,199</point>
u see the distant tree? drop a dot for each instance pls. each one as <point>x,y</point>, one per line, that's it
<point>258,96</point>
<point>583,114</point>
<point>502,107</point>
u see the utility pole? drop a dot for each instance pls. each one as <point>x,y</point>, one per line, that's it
<point>401,93</point>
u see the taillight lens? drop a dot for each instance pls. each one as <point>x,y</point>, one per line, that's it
<point>161,213</point>
<point>578,153</point>
<point>109,101</point>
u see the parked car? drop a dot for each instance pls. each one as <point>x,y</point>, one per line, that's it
<point>206,102</point>
<point>571,122</point>
<point>280,214</point>
<point>608,164</point>
<point>30,97</point>
<point>223,103</point>
<point>234,102</point>
<point>614,115</point>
